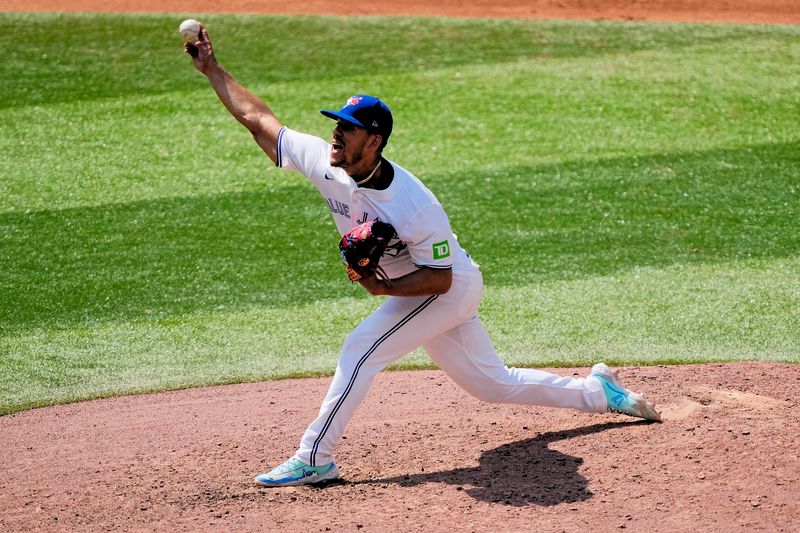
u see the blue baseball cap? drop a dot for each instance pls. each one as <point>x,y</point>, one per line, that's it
<point>366,111</point>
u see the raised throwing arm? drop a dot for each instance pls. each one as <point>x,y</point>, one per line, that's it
<point>245,107</point>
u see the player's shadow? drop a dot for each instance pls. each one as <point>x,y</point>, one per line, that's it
<point>525,472</point>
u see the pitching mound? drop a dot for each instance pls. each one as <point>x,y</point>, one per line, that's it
<point>420,454</point>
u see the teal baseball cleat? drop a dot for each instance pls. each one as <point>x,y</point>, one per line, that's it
<point>296,472</point>
<point>620,399</point>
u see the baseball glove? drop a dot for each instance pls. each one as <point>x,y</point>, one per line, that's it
<point>362,248</point>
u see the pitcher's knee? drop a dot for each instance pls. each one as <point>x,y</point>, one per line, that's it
<point>494,392</point>
<point>350,364</point>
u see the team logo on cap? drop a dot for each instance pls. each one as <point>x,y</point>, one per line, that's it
<point>353,100</point>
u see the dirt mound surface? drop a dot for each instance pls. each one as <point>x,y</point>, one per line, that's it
<point>420,454</point>
<point>758,11</point>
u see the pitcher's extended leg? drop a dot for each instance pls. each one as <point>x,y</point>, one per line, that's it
<point>467,355</point>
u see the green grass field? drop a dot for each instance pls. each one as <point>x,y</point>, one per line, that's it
<point>632,192</point>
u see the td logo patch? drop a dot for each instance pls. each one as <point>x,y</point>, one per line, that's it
<point>441,250</point>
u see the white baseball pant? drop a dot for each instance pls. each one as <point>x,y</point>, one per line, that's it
<point>450,331</point>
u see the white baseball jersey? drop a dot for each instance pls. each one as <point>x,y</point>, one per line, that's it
<point>425,238</point>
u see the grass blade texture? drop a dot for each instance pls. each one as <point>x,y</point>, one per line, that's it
<point>630,190</point>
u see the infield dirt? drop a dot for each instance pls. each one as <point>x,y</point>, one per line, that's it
<point>420,454</point>
<point>757,11</point>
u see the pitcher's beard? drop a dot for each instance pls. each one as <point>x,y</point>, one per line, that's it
<point>345,164</point>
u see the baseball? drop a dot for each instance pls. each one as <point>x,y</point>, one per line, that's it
<point>189,29</point>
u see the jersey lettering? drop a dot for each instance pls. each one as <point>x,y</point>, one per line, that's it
<point>339,208</point>
<point>363,218</point>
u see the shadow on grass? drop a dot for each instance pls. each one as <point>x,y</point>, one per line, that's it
<point>164,258</point>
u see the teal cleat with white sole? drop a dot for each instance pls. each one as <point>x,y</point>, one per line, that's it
<point>620,399</point>
<point>296,472</point>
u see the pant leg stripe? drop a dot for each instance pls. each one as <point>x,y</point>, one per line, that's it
<point>360,363</point>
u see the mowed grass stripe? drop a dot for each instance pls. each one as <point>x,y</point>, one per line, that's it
<point>88,56</point>
<point>152,259</point>
<point>677,315</point>
<point>629,189</point>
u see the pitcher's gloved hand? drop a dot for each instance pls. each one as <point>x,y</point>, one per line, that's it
<point>362,248</point>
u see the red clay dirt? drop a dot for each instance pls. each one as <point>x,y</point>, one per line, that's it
<point>757,11</point>
<point>420,454</point>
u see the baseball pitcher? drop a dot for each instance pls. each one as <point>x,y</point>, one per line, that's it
<point>396,241</point>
